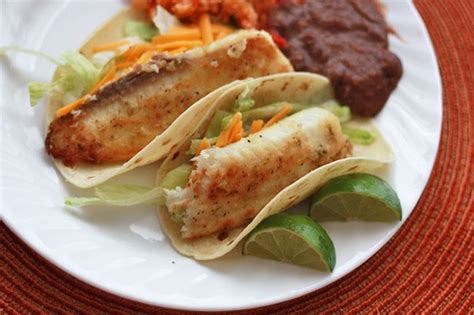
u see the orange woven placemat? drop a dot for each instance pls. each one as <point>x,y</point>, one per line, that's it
<point>427,267</point>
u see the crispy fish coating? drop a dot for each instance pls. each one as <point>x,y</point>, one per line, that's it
<point>125,115</point>
<point>229,186</point>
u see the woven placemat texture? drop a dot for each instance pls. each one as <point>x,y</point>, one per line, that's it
<point>426,268</point>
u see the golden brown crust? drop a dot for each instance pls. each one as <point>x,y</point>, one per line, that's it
<point>127,114</point>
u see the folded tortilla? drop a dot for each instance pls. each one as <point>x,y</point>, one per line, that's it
<point>317,133</point>
<point>135,120</point>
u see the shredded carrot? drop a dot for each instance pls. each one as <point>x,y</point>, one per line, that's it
<point>124,64</point>
<point>110,75</point>
<point>70,107</point>
<point>134,52</point>
<point>216,28</point>
<point>205,28</point>
<point>110,46</point>
<point>222,34</point>
<point>188,35</point>
<point>177,51</point>
<point>145,57</point>
<point>224,136</point>
<point>203,144</point>
<point>236,130</point>
<point>178,44</point>
<point>280,115</point>
<point>256,126</point>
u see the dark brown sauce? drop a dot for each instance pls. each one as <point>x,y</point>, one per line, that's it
<point>345,40</point>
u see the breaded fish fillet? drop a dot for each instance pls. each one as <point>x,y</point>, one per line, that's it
<point>229,186</point>
<point>125,115</point>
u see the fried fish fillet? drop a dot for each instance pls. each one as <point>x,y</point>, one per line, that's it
<point>126,114</point>
<point>229,186</point>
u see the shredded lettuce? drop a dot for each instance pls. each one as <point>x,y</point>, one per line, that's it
<point>342,112</point>
<point>225,121</point>
<point>144,30</point>
<point>119,195</point>
<point>359,136</point>
<point>76,75</point>
<point>82,72</point>
<point>37,90</point>
<point>244,101</point>
<point>177,177</point>
<point>214,127</point>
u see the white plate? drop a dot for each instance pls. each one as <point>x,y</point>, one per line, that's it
<point>123,251</point>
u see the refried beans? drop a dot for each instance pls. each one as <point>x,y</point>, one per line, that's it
<point>345,40</point>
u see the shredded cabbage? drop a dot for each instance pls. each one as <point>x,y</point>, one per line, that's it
<point>144,30</point>
<point>119,195</point>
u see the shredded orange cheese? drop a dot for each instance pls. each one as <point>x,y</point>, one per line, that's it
<point>205,28</point>
<point>256,126</point>
<point>110,46</point>
<point>280,115</point>
<point>203,144</point>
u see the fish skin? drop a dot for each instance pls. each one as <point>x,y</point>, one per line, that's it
<point>128,113</point>
<point>229,186</point>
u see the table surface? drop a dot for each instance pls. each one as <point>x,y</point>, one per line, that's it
<point>426,267</point>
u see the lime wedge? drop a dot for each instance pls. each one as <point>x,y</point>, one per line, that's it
<point>356,197</point>
<point>292,238</point>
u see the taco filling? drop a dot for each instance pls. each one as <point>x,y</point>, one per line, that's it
<point>248,157</point>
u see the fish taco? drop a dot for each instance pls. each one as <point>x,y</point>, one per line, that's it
<point>127,116</point>
<point>264,145</point>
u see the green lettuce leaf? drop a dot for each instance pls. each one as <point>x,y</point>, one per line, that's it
<point>79,72</point>
<point>144,30</point>
<point>36,91</point>
<point>359,136</point>
<point>76,75</point>
<point>119,195</point>
<point>177,177</point>
<point>342,112</point>
<point>244,101</point>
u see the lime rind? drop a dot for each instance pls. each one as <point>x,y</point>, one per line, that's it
<point>373,198</point>
<point>296,239</point>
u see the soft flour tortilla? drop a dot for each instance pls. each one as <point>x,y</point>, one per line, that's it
<point>88,175</point>
<point>292,87</point>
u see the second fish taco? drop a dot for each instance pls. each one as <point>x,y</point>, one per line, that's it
<point>265,145</point>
